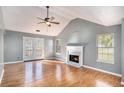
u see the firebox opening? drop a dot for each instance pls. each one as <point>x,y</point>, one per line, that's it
<point>74,58</point>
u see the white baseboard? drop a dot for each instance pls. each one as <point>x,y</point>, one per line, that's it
<point>49,58</point>
<point>122,82</point>
<point>60,59</point>
<point>13,62</point>
<point>1,77</point>
<point>119,75</point>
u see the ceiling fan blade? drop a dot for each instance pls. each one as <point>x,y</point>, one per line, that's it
<point>52,18</point>
<point>40,18</point>
<point>55,22</point>
<point>41,22</point>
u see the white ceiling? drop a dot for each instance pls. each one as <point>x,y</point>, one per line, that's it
<point>23,18</point>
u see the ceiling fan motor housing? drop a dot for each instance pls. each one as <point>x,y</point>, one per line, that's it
<point>47,19</point>
<point>47,6</point>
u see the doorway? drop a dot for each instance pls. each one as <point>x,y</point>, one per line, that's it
<point>33,48</point>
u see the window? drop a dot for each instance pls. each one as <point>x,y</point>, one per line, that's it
<point>58,46</point>
<point>105,48</point>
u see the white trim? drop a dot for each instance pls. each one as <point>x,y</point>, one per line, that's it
<point>1,76</point>
<point>58,53</point>
<point>119,75</point>
<point>49,58</point>
<point>122,82</point>
<point>13,62</point>
<point>60,59</point>
<point>107,62</point>
<point>60,45</point>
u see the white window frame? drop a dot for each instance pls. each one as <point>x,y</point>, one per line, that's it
<point>103,61</point>
<point>58,53</point>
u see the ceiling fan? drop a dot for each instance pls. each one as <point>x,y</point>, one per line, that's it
<point>48,20</point>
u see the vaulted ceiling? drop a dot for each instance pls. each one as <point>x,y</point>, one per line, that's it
<point>23,18</point>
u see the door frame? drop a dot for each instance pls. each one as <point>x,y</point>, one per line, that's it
<point>33,39</point>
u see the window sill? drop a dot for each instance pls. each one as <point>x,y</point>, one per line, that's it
<point>58,53</point>
<point>106,62</point>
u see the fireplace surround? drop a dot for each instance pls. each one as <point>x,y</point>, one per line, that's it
<point>74,55</point>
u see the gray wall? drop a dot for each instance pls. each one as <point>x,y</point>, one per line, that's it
<point>82,31</point>
<point>1,44</point>
<point>13,45</point>
<point>122,50</point>
<point>1,54</point>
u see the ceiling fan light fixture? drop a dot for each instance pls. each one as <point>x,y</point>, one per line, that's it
<point>48,23</point>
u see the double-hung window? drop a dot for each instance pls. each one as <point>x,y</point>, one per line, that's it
<point>105,48</point>
<point>58,46</point>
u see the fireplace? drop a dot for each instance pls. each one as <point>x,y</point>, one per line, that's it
<point>74,58</point>
<point>74,55</point>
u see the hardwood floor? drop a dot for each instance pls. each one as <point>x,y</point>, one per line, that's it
<point>55,74</point>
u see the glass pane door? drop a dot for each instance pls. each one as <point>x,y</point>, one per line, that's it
<point>27,48</point>
<point>33,48</point>
<point>38,48</point>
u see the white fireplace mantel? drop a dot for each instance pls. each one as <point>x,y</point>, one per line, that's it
<point>74,50</point>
